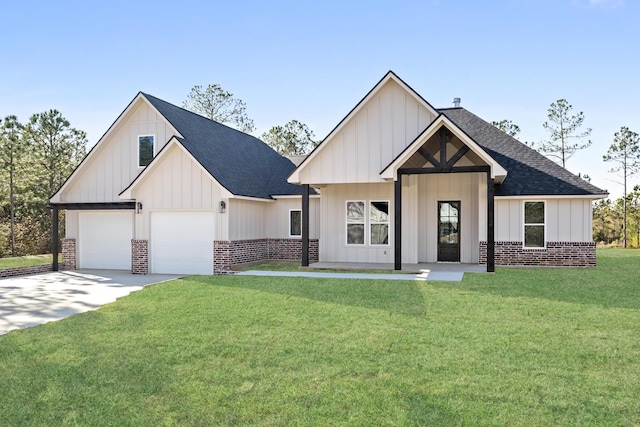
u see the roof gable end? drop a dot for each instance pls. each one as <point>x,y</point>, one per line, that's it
<point>390,76</point>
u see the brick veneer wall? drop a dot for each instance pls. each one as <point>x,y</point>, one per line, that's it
<point>69,254</point>
<point>556,254</point>
<point>228,253</point>
<point>23,271</point>
<point>139,256</point>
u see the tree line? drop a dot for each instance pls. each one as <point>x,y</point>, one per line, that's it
<point>614,222</point>
<point>36,157</point>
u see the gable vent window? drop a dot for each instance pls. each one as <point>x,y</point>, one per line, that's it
<point>534,233</point>
<point>145,149</point>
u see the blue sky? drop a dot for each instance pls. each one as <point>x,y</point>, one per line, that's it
<point>313,61</point>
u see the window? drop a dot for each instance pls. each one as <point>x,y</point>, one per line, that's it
<point>367,223</point>
<point>295,223</point>
<point>379,223</point>
<point>534,225</point>
<point>145,150</point>
<point>355,223</point>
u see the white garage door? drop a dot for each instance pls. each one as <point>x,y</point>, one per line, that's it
<point>182,242</point>
<point>105,240</point>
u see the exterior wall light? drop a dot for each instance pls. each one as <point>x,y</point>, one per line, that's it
<point>222,206</point>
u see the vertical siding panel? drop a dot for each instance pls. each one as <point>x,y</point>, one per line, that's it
<point>577,220</point>
<point>424,119</point>
<point>167,196</point>
<point>513,221</point>
<point>399,114</point>
<point>386,125</point>
<point>588,222</point>
<point>207,191</point>
<point>363,147</point>
<point>350,153</point>
<point>564,220</point>
<point>186,187</point>
<point>375,149</point>
<point>552,221</point>
<point>411,120</point>
<point>196,186</point>
<point>409,220</point>
<point>176,179</point>
<point>339,160</point>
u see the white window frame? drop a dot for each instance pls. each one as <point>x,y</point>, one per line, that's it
<point>138,148</point>
<point>525,224</point>
<point>370,223</point>
<point>347,223</point>
<point>295,235</point>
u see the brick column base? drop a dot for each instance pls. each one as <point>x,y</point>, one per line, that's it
<point>139,256</point>
<point>221,257</point>
<point>556,254</point>
<point>68,254</point>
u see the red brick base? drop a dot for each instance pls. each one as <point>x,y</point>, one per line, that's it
<point>68,254</point>
<point>139,256</point>
<point>556,254</point>
<point>228,253</point>
<point>23,271</point>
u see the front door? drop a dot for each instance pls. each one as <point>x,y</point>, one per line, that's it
<point>449,231</point>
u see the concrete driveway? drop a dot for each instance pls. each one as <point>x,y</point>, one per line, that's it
<point>40,298</point>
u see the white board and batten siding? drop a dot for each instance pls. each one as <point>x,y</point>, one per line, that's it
<point>566,220</point>
<point>115,163</point>
<point>463,187</point>
<point>179,216</point>
<point>333,227</point>
<point>250,219</point>
<point>420,196</point>
<point>380,130</point>
<point>178,183</point>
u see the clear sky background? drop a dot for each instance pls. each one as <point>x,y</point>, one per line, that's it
<point>313,61</point>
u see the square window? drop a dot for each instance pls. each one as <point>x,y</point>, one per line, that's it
<point>355,234</point>
<point>145,150</point>
<point>295,223</point>
<point>379,234</point>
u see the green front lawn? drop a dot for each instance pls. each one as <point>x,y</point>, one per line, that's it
<point>521,347</point>
<point>28,260</point>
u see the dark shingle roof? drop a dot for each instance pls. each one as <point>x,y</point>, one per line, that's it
<point>241,163</point>
<point>529,173</point>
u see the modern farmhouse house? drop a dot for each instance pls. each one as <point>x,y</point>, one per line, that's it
<point>397,181</point>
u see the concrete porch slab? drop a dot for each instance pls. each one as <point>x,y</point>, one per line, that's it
<point>451,267</point>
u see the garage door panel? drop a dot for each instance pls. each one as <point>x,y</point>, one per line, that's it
<point>182,242</point>
<point>105,240</point>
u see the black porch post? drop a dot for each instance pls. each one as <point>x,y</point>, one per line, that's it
<point>305,225</point>
<point>54,237</point>
<point>397,221</point>
<point>490,225</point>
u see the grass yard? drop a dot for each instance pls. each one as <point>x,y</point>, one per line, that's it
<point>28,260</point>
<point>523,347</point>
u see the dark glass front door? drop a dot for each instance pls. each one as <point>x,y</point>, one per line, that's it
<point>449,231</point>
